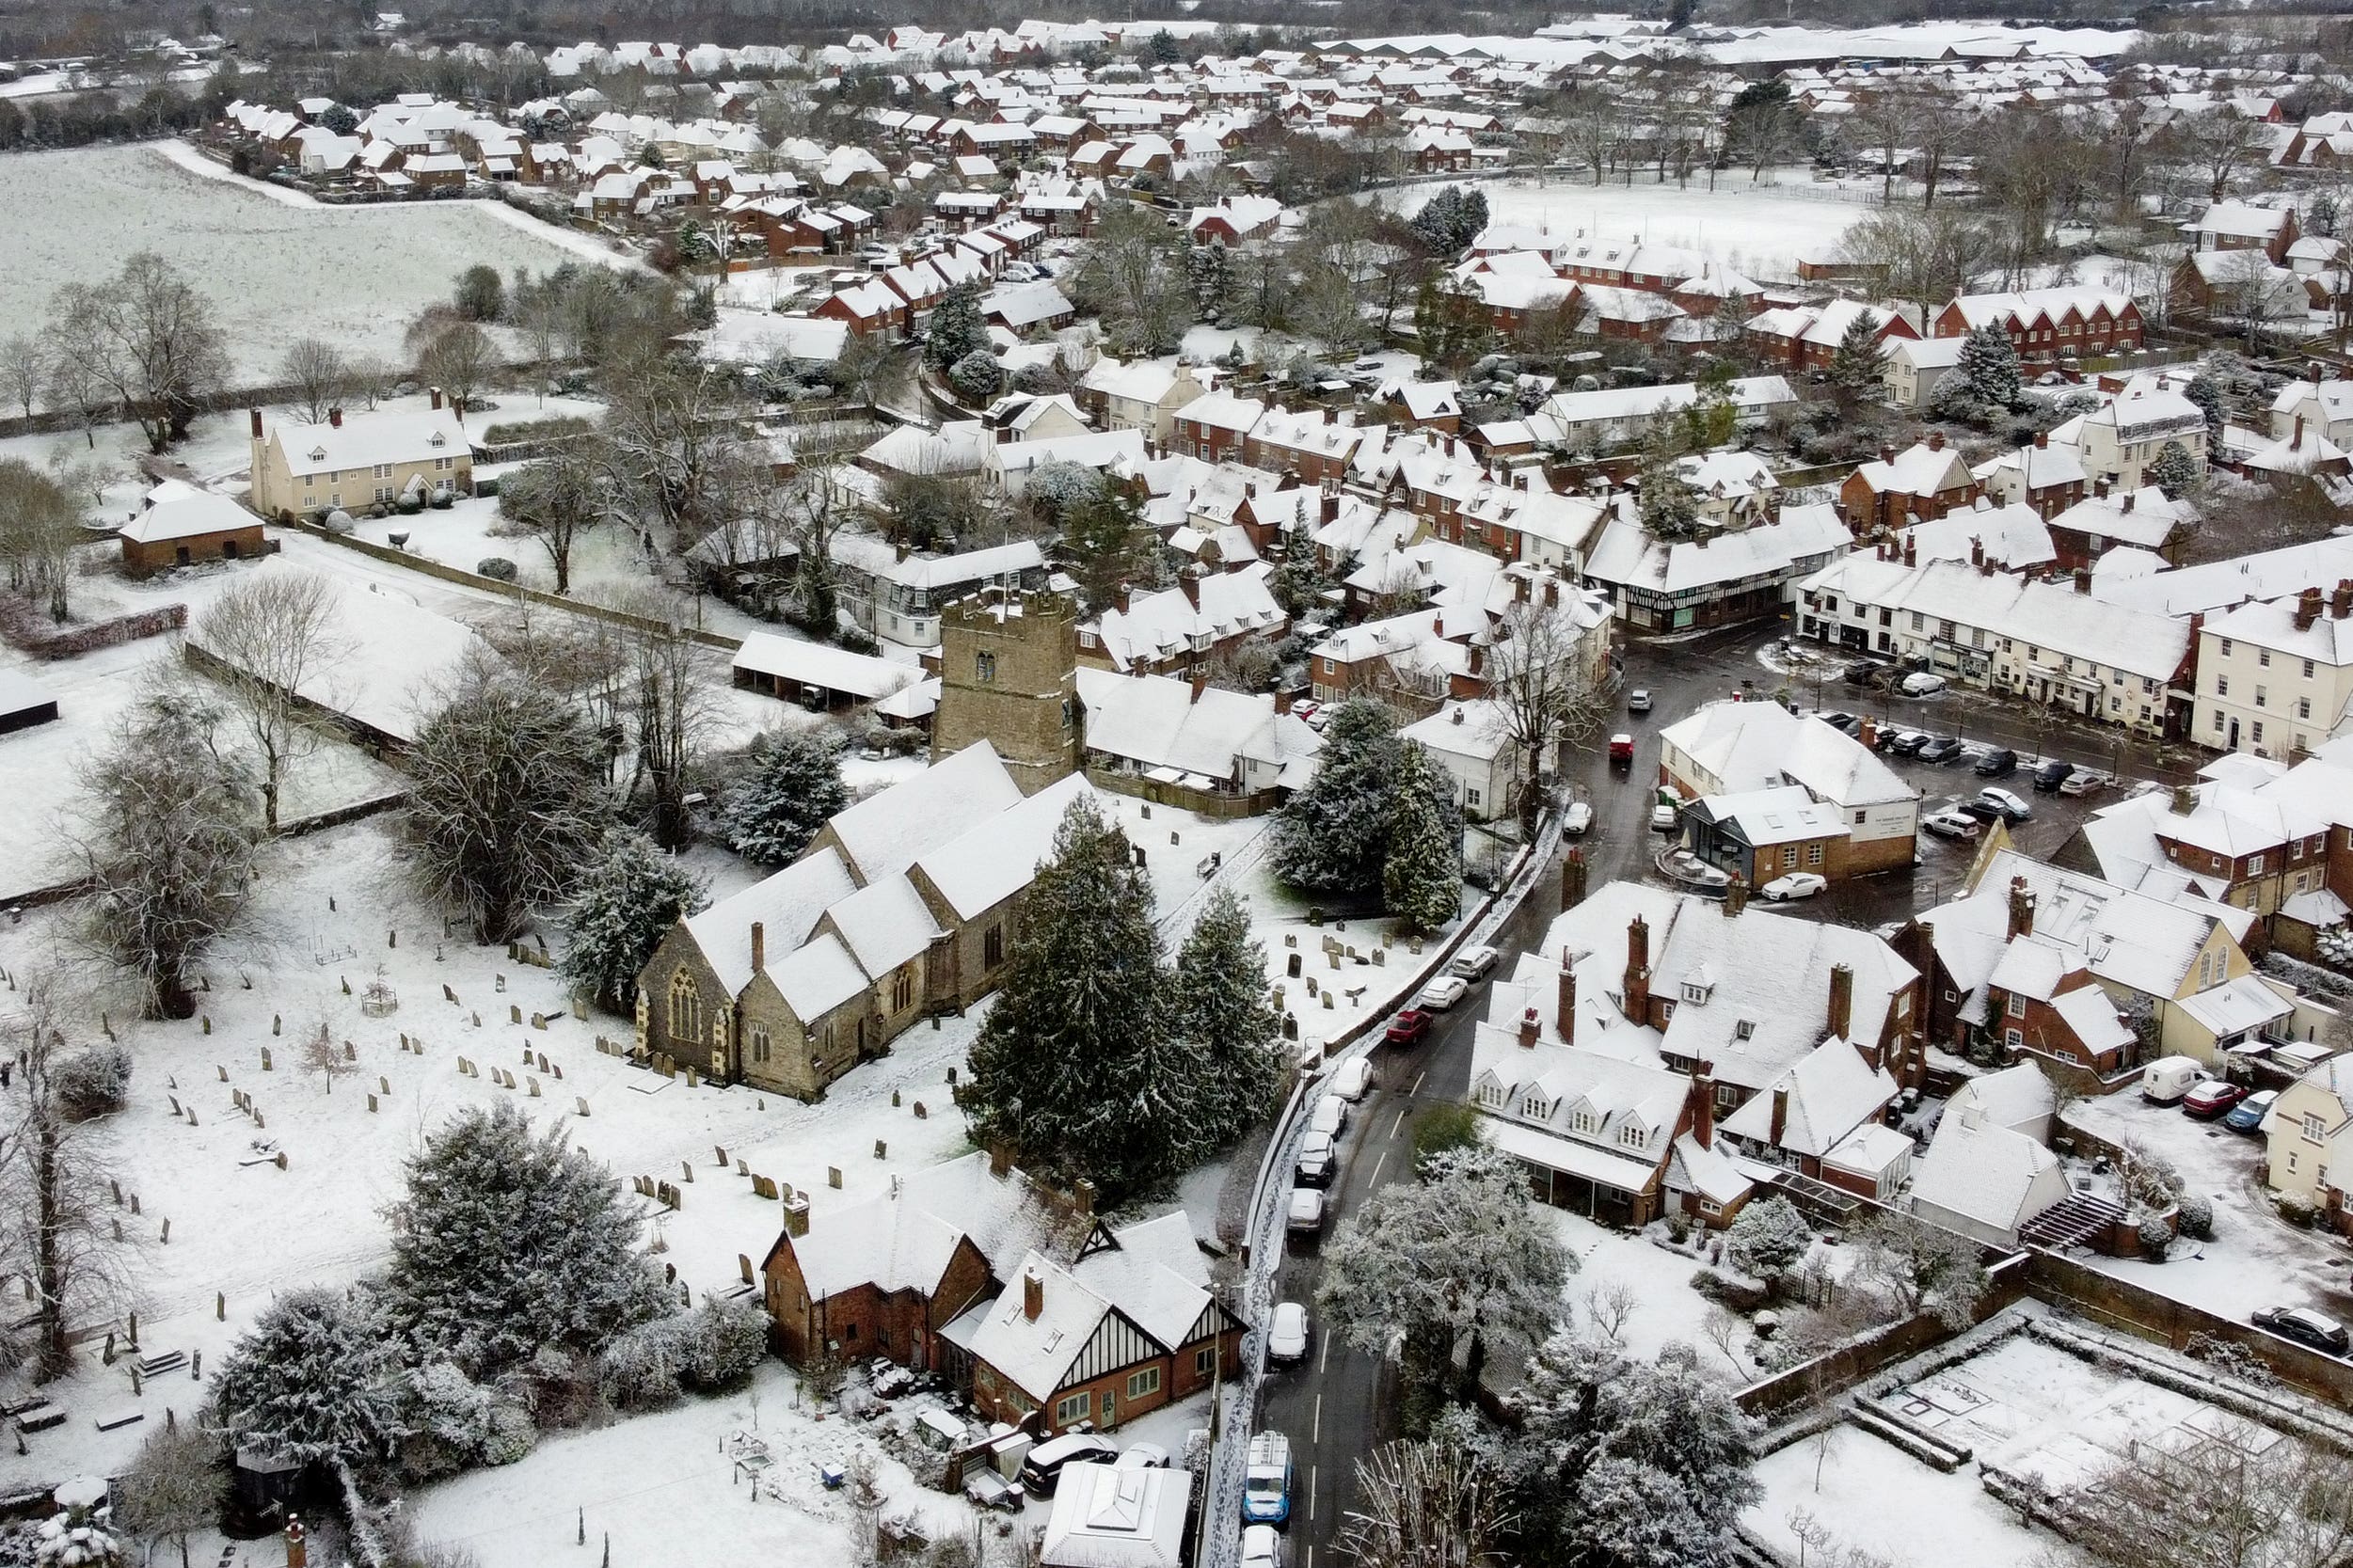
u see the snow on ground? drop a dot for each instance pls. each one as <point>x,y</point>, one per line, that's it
<point>765,288</point>
<point>1666,1309</point>
<point>1941,1518</point>
<point>274,272</point>
<point>1761,230</point>
<point>2256,1258</point>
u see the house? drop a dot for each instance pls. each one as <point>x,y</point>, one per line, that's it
<point>2044,325</point>
<point>2305,1132</point>
<point>1814,1108</point>
<point>1617,416</point>
<point>371,460</point>
<point>1985,1181</point>
<point>1806,336</point>
<point>1713,579</point>
<point>1234,219</point>
<point>900,595</point>
<point>2275,676</point>
<point>1914,367</point>
<point>2039,475</point>
<point>1139,394</point>
<point>1924,482</point>
<point>2119,439</point>
<point>1191,744</point>
<point>1766,833</point>
<point>1746,755</point>
<point>179,525</point>
<point>2243,225</point>
<point>2323,404</point>
<point>2019,1098</point>
<point>2143,519</point>
<point>1213,427</point>
<point>1205,617</point>
<point>1472,741</point>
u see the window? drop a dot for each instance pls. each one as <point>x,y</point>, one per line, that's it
<point>2262,697</point>
<point>902,991</point>
<point>1813,855</point>
<point>683,1024</point>
<point>1074,1408</point>
<point>1917,621</point>
<point>2226,647</point>
<point>1858,819</point>
<point>1726,1097</point>
<point>1491,1094</point>
<point>2303,707</point>
<point>1582,1120</point>
<point>2262,657</point>
<point>992,947</point>
<point>2217,721</point>
<point>1470,797</point>
<point>2254,866</point>
<point>1532,1107</point>
<point>2256,734</point>
<point>2016,1006</point>
<point>2313,1127</point>
<point>2308,669</point>
<point>1145,1382</point>
<point>1630,1137</point>
<point>984,666</point>
<point>2012,1038</point>
<point>1744,1030</point>
<point>760,1042</point>
<point>1204,1360</point>
<point>1694,992</point>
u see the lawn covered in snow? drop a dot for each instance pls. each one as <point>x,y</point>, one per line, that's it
<point>276,271</point>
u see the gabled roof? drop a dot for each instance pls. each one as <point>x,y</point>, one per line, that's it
<point>889,831</point>
<point>1826,1094</point>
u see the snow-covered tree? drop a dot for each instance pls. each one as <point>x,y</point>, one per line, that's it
<point>955,328</point>
<point>1988,367</point>
<point>1448,221</point>
<point>94,1081</point>
<point>1429,1504</point>
<point>794,787</point>
<point>1076,1064</point>
<point>507,1240</point>
<point>1637,1464</point>
<point>977,376</point>
<point>1222,1005</point>
<point>1332,836</point>
<point>63,1540</point>
<point>314,1379</point>
<point>630,897</point>
<point>1421,873</point>
<point>1056,488</point>
<point>1768,1237</point>
<point>2173,471</point>
<point>1918,1267</point>
<point>455,1423</point>
<point>1665,503</point>
<point>713,1347</point>
<point>1459,1253</point>
<point>1855,368</point>
<point>173,1489</point>
<point>1209,271</point>
<point>2204,390</point>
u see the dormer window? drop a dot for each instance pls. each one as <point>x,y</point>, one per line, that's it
<point>1532,1107</point>
<point>1630,1137</point>
<point>1744,1030</point>
<point>1584,1121</point>
<point>318,454</point>
<point>436,439</point>
<point>1697,990</point>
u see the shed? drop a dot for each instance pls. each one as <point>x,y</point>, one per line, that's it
<point>1116,1516</point>
<point>25,702</point>
<point>185,528</point>
<point>817,676</point>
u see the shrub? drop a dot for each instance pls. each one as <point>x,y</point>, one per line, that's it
<point>713,1347</point>
<point>2156,1236</point>
<point>2297,1210</point>
<point>2197,1211</point>
<point>976,375</point>
<point>94,1083</point>
<point>498,567</point>
<point>409,503</point>
<point>1769,1238</point>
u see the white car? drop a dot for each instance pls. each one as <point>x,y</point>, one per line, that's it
<point>1142,1456</point>
<point>1352,1078</point>
<point>1923,683</point>
<point>1262,1546</point>
<point>1473,961</point>
<point>1578,821</point>
<point>1306,1213</point>
<point>1287,1334</point>
<point>1952,824</point>
<point>1797,884</point>
<point>1663,819</point>
<point>1442,994</point>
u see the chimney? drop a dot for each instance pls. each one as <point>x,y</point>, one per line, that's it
<point>1282,704</point>
<point>1704,1105</point>
<point>1458,713</point>
<point>1887,454</point>
<point>2296,442</point>
<point>297,1544</point>
<point>1936,441</point>
<point>1330,505</point>
<point>1519,586</point>
<point>2340,600</point>
<point>1126,591</point>
<point>1033,1292</point>
<point>1911,550</point>
<point>2083,579</point>
<point>255,415</point>
<point>1867,733</point>
<point>335,417</point>
<point>1780,1113</point>
<point>901,550</point>
<point>1201,684</point>
<point>1638,970</point>
<point>1553,584</point>
<point>2042,440</point>
<point>1000,1158</point>
<point>759,948</point>
<point>1530,1027</point>
<point>1735,896</point>
<point>1190,580</point>
<point>2314,372</point>
<point>1976,550</point>
<point>2099,489</point>
<point>797,1215</point>
<point>2021,908</point>
<point>1572,878</point>
<point>436,397</point>
<point>2128,500</point>
<point>1476,664</point>
<point>2184,801</point>
<point>1085,1193</point>
<point>2307,608</point>
<point>1566,1005</point>
<point>1841,1000</point>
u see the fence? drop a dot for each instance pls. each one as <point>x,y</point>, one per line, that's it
<point>25,629</point>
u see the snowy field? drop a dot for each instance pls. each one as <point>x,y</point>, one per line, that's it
<point>1758,229</point>
<point>277,270</point>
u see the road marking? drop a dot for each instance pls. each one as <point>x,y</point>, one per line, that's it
<point>1323,1355</point>
<point>1416,1090</point>
<point>1311,1491</point>
<point>1376,1167</point>
<point>1316,1434</point>
<point>1399,1125</point>
<point>1310,1557</point>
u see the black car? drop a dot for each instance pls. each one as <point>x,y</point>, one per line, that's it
<point>2306,1328</point>
<point>1862,674</point>
<point>1984,811</point>
<point>1909,743</point>
<point>2051,775</point>
<point>1943,748</point>
<point>1846,722</point>
<point>1998,763</point>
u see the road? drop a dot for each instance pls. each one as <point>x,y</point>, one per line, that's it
<point>1338,1407</point>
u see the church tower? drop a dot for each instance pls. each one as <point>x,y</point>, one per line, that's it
<point>1009,674</point>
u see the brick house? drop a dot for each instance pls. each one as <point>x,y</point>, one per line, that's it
<point>1919,484</point>
<point>1216,427</point>
<point>2044,325</point>
<point>185,528</point>
<point>1761,835</point>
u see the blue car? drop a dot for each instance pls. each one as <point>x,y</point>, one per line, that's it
<point>1266,1485</point>
<point>2246,1116</point>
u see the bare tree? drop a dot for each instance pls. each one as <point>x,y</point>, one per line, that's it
<point>166,832</point>
<point>555,501</point>
<point>460,358</point>
<point>74,383</point>
<point>2238,1497</point>
<point>667,698</point>
<point>1611,1307</point>
<point>265,639</point>
<point>1927,255</point>
<point>40,526</point>
<point>148,333</point>
<point>1544,677</point>
<point>1884,124</point>
<point>322,1057</point>
<point>673,440</point>
<point>1918,1267</point>
<point>1430,1504</point>
<point>319,375</point>
<point>23,369</point>
<point>2212,147</point>
<point>173,1489</point>
<point>1723,1332</point>
<point>370,378</point>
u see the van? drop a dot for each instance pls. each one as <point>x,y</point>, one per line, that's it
<point>2165,1081</point>
<point>1266,1480</point>
<point>1329,1115</point>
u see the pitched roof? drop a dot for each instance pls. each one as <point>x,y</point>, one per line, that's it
<point>889,831</point>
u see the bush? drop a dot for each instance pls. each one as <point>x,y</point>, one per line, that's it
<point>94,1083</point>
<point>496,567</point>
<point>1730,1290</point>
<point>409,503</point>
<point>1768,1238</point>
<point>2156,1236</point>
<point>2197,1211</point>
<point>713,1347</point>
<point>976,375</point>
<point>2297,1210</point>
<point>455,1423</point>
<point>857,640</point>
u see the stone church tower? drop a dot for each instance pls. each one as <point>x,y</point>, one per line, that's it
<point>1009,674</point>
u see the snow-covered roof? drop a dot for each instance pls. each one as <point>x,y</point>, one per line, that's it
<point>1978,1171</point>
<point>889,831</point>
<point>187,516</point>
<point>981,867</point>
<point>794,659</point>
<point>1116,1516</point>
<point>787,908</point>
<point>1826,1094</point>
<point>365,440</point>
<point>1742,746</point>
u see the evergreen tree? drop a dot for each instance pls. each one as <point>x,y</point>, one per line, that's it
<point>1163,47</point>
<point>1854,364</point>
<point>955,328</point>
<point>1448,221</point>
<point>1222,1007</point>
<point>2173,471</point>
<point>1421,875</point>
<point>1209,270</point>
<point>1332,836</point>
<point>1988,367</point>
<point>1665,503</point>
<point>794,788</point>
<point>629,899</point>
<point>977,376</point>
<point>1076,1065</point>
<point>314,1379</point>
<point>2201,389</point>
<point>1769,1238</point>
<point>507,1241</point>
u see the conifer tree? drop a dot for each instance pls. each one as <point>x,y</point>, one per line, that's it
<point>1333,835</point>
<point>2173,471</point>
<point>1665,503</point>
<point>1222,1009</point>
<point>632,896</point>
<point>794,787</point>
<point>1422,877</point>
<point>314,1380</point>
<point>1854,364</point>
<point>956,327</point>
<point>1988,367</point>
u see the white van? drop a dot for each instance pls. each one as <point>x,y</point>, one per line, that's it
<point>2165,1081</point>
<point>1331,1114</point>
<point>1352,1078</point>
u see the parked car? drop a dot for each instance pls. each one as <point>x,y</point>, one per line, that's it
<point>1638,700</point>
<point>2009,806</point>
<point>1473,961</point>
<point>1846,722</point>
<point>1042,1469</point>
<point>1142,1456</point>
<point>1318,1161</point>
<point>2212,1099</point>
<point>1861,672</point>
<point>1351,1079</point>
<point>1305,1216</point>
<point>1951,824</point>
<point>2083,781</point>
<point>1797,884</point>
<point>1907,743</point>
<point>1442,994</point>
<point>1287,1334</point>
<point>1940,749</point>
<point>1998,763</point>
<point>1578,820</point>
<point>1408,1027</point>
<point>1622,749</point>
<point>1664,818</point>
<point>1923,683</point>
<point>1329,1115</point>
<point>1262,1546</point>
<point>1306,708</point>
<point>1266,1480</point>
<point>2053,774</point>
<point>2165,1081</point>
<point>2314,1330</point>
<point>2246,1116</point>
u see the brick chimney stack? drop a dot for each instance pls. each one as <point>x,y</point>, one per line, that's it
<point>1531,1026</point>
<point>297,1544</point>
<point>2341,599</point>
<point>436,397</point>
<point>335,417</point>
<point>2021,908</point>
<point>255,415</point>
<point>1126,591</point>
<point>1976,550</point>
<point>1780,1114</point>
<point>1735,897</point>
<point>2307,608</point>
<point>1704,1105</point>
<point>1936,441</point>
<point>1201,684</point>
<point>1565,1004</point>
<point>1638,970</point>
<point>1911,550</point>
<point>1033,1293</point>
<point>1572,878</point>
<point>2129,496</point>
<point>1190,580</point>
<point>2042,440</point>
<point>1841,1000</point>
<point>2083,579</point>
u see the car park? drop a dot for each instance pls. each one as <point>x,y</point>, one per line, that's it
<point>1351,1078</point>
<point>1951,824</point>
<point>1043,1468</point>
<point>2009,807</point>
<point>1442,994</point>
<point>1923,683</point>
<point>1266,1480</point>
<point>1907,743</point>
<point>1797,884</point>
<point>1318,1161</point>
<point>1939,749</point>
<point>1578,820</point>
<point>2314,1330</point>
<point>1997,763</point>
<point>2246,1116</point>
<point>1473,961</point>
<point>1305,1217</point>
<point>2052,775</point>
<point>1638,700</point>
<point>1408,1027</point>
<point>1287,1334</point>
<point>2212,1099</point>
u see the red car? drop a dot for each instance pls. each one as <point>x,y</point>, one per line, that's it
<point>2212,1099</point>
<point>1408,1027</point>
